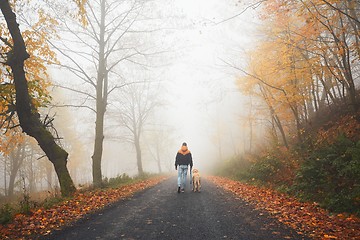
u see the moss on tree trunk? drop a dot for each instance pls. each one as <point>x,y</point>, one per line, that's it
<point>29,117</point>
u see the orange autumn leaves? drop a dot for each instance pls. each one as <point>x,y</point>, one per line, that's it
<point>305,218</point>
<point>348,125</point>
<point>43,221</point>
<point>305,61</point>
<point>36,39</point>
<point>36,36</point>
<point>38,29</point>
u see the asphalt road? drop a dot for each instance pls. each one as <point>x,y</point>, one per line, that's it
<point>162,213</point>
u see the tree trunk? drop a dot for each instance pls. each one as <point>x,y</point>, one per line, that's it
<point>158,159</point>
<point>101,101</point>
<point>11,186</point>
<point>274,116</point>
<point>49,177</point>
<point>13,173</point>
<point>250,126</point>
<point>5,170</point>
<point>32,184</point>
<point>353,8</point>
<point>28,116</point>
<point>346,60</point>
<point>16,159</point>
<point>280,127</point>
<point>98,149</point>
<point>138,156</point>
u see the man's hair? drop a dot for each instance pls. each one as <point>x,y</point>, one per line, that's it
<point>184,144</point>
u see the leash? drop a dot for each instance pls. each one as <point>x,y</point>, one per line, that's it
<point>190,176</point>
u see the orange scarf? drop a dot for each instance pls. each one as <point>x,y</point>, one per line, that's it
<point>184,150</point>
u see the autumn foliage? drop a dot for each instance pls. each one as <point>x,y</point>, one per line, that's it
<point>42,221</point>
<point>36,39</point>
<point>305,63</point>
<point>302,79</point>
<point>306,218</point>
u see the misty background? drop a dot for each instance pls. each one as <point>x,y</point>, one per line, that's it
<point>200,104</point>
<point>188,45</point>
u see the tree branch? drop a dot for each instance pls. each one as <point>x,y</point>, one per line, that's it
<point>254,6</point>
<point>253,76</point>
<point>342,12</point>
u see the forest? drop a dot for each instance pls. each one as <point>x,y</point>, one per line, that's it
<point>303,80</point>
<point>66,63</point>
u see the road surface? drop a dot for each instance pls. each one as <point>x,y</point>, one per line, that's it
<point>162,213</point>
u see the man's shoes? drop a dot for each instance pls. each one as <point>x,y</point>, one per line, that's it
<point>182,190</point>
<point>178,189</point>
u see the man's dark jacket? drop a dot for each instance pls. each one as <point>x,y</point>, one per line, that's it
<point>183,157</point>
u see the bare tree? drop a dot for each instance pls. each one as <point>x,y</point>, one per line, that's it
<point>141,100</point>
<point>20,160</point>
<point>16,159</point>
<point>158,139</point>
<point>103,46</point>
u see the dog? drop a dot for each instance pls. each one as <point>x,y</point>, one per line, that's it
<point>196,180</point>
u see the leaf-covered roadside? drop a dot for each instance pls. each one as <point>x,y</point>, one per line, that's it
<point>43,221</point>
<point>306,218</point>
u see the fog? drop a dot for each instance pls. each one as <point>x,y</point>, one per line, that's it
<point>200,104</point>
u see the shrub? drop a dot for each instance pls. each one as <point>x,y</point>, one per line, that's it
<point>26,204</point>
<point>276,167</point>
<point>6,214</point>
<point>144,176</point>
<point>51,201</point>
<point>125,179</point>
<point>235,168</point>
<point>331,177</point>
<point>119,180</point>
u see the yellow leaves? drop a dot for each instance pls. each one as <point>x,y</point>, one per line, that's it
<point>36,39</point>
<point>10,140</point>
<point>78,11</point>
<point>82,11</point>
<point>37,34</point>
<point>298,59</point>
<point>281,72</point>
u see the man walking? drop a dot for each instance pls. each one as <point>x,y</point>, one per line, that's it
<point>182,161</point>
